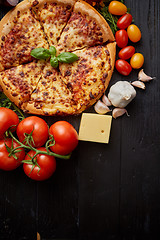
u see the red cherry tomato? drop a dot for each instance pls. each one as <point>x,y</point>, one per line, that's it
<point>8,118</point>
<point>124,21</point>
<point>121,38</point>
<point>65,136</point>
<point>43,165</point>
<point>117,8</point>
<point>7,162</point>
<point>38,126</point>
<point>126,53</point>
<point>123,67</point>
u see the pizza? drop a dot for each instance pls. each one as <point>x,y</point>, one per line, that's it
<point>70,26</point>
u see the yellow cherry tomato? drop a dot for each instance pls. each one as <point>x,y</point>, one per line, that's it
<point>134,33</point>
<point>137,60</point>
<point>117,8</point>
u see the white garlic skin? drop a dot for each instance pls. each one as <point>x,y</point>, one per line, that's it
<point>139,84</point>
<point>144,77</point>
<point>118,112</point>
<point>106,101</point>
<point>121,94</point>
<point>101,108</point>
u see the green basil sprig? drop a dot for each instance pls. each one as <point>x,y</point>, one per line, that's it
<point>40,53</point>
<point>65,57</point>
<point>52,50</point>
<point>54,61</point>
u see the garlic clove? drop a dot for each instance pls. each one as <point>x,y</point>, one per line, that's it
<point>139,84</point>
<point>117,112</point>
<point>106,101</point>
<point>144,77</point>
<point>101,108</point>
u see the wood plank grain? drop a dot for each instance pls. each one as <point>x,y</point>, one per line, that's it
<point>140,181</point>
<point>17,206</point>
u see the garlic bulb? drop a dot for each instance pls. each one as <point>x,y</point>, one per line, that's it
<point>138,84</point>
<point>101,108</point>
<point>121,93</point>
<point>144,77</point>
<point>106,101</point>
<point>117,112</point>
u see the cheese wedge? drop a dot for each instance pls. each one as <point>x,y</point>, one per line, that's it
<point>95,127</point>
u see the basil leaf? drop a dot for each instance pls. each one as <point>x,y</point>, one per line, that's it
<point>52,50</point>
<point>40,53</point>
<point>54,61</point>
<point>67,57</point>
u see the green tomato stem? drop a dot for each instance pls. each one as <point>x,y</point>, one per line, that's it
<point>30,147</point>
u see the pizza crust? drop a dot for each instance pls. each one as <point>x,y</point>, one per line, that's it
<point>112,50</point>
<point>7,22</point>
<point>39,3</point>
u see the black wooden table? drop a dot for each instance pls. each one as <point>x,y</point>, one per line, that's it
<point>104,191</point>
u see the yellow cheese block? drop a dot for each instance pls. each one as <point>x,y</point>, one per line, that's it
<point>95,127</point>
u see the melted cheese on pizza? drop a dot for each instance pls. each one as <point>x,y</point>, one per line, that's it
<point>51,95</point>
<point>19,82</point>
<point>85,28</point>
<point>53,17</point>
<point>86,78</point>
<point>20,35</point>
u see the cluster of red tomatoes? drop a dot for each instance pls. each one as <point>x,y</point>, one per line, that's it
<point>127,30</point>
<point>32,134</point>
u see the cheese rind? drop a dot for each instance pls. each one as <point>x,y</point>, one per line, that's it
<point>95,127</point>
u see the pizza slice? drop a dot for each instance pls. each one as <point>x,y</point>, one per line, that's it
<point>85,28</point>
<point>89,77</point>
<point>19,82</point>
<point>51,96</point>
<point>20,32</point>
<point>53,16</point>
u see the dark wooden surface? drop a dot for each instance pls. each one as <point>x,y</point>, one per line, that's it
<point>104,191</point>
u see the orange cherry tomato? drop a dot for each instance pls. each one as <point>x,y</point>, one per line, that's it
<point>117,8</point>
<point>134,33</point>
<point>137,60</point>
